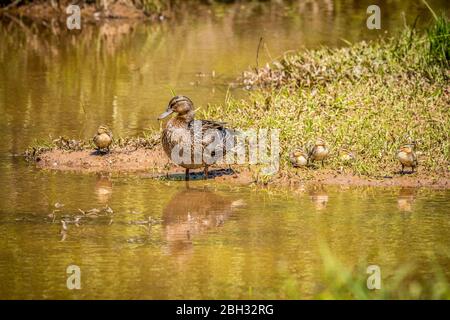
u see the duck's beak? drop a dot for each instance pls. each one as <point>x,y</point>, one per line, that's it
<point>165,114</point>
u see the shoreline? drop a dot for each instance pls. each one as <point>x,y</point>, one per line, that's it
<point>363,110</point>
<point>153,163</point>
<point>90,13</point>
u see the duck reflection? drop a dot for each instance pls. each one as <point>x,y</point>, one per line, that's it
<point>406,198</point>
<point>192,212</point>
<point>103,189</point>
<point>319,197</point>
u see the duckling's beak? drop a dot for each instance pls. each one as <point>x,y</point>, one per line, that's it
<point>165,114</point>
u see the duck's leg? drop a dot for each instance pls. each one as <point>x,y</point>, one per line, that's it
<point>186,177</point>
<point>205,173</point>
<point>403,168</point>
<point>322,163</point>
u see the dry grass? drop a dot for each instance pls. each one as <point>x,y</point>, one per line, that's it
<point>148,140</point>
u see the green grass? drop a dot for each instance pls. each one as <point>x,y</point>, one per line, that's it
<point>439,43</point>
<point>368,97</point>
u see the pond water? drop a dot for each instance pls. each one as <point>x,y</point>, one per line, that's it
<point>207,240</point>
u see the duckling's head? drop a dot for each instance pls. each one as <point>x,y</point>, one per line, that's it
<point>298,154</point>
<point>320,142</point>
<point>181,105</point>
<point>102,129</point>
<point>407,148</point>
<point>347,154</point>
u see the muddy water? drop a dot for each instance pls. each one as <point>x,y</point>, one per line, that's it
<point>210,241</point>
<point>205,240</point>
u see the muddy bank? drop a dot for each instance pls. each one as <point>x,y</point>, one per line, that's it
<point>153,163</point>
<point>44,10</point>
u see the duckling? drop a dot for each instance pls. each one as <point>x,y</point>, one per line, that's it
<point>206,140</point>
<point>103,138</point>
<point>298,158</point>
<point>347,155</point>
<point>407,157</point>
<point>319,151</point>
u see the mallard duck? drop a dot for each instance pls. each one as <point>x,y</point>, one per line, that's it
<point>407,157</point>
<point>205,141</point>
<point>298,158</point>
<point>319,151</point>
<point>103,138</point>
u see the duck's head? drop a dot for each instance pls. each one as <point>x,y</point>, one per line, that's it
<point>102,129</point>
<point>181,105</point>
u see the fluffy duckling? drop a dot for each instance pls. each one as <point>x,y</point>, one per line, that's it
<point>347,155</point>
<point>103,138</point>
<point>319,151</point>
<point>407,157</point>
<point>298,158</point>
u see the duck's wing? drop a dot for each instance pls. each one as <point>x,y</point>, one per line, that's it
<point>208,131</point>
<point>211,125</point>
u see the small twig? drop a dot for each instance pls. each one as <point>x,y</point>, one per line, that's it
<point>431,10</point>
<point>257,54</point>
<point>11,5</point>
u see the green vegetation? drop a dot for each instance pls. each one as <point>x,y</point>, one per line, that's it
<point>342,282</point>
<point>368,98</point>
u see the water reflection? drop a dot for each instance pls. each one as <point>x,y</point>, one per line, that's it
<point>203,243</point>
<point>319,197</point>
<point>193,212</point>
<point>406,198</point>
<point>103,189</point>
